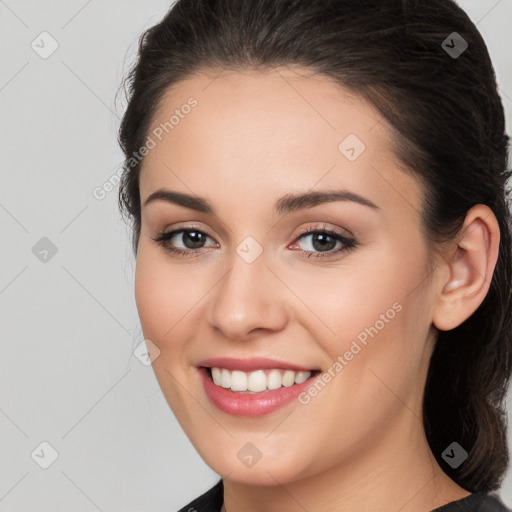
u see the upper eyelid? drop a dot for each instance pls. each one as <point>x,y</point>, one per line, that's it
<point>343,232</point>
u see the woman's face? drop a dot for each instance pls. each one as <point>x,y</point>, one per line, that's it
<point>353,305</point>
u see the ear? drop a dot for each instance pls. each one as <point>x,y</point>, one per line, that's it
<point>469,269</point>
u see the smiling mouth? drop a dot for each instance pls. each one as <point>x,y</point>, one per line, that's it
<point>258,381</point>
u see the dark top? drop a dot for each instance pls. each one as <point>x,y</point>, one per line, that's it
<point>211,501</point>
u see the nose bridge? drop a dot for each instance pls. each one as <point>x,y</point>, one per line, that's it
<point>246,299</point>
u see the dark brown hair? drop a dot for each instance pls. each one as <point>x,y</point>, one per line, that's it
<point>448,124</point>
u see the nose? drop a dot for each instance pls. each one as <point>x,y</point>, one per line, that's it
<point>249,298</point>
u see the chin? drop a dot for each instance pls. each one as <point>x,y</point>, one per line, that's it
<point>264,472</point>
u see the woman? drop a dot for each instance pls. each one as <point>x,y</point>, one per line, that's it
<point>317,196</point>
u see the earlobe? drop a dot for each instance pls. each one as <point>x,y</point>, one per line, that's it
<point>470,269</point>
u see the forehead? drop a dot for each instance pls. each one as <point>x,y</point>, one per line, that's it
<point>260,132</point>
<point>255,106</point>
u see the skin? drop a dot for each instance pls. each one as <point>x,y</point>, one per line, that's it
<point>255,137</point>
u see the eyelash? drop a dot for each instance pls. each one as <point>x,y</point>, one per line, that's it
<point>163,238</point>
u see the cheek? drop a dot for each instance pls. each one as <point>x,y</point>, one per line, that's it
<point>376,352</point>
<point>343,303</point>
<point>166,297</point>
<point>372,314</point>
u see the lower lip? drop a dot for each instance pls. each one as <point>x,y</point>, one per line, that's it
<point>251,404</point>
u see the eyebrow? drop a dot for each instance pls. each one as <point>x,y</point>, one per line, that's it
<point>286,204</point>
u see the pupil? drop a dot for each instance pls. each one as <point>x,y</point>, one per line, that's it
<point>326,242</point>
<point>195,237</point>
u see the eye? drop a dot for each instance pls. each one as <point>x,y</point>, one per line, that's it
<point>324,241</point>
<point>191,239</point>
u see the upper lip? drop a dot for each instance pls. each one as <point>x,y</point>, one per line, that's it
<point>248,365</point>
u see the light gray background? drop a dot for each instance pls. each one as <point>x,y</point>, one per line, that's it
<point>69,325</point>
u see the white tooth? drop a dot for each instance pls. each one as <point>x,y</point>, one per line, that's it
<point>257,381</point>
<point>301,377</point>
<point>217,375</point>
<point>225,378</point>
<point>238,381</point>
<point>288,378</point>
<point>274,379</point>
